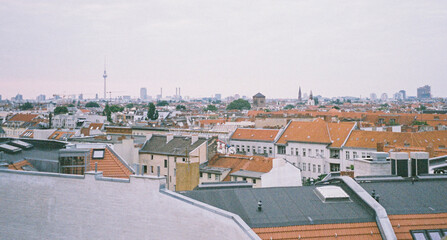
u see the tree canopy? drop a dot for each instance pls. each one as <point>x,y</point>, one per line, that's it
<point>289,106</point>
<point>239,104</point>
<point>92,104</point>
<point>60,110</point>
<point>26,106</point>
<point>152,113</point>
<point>116,108</point>
<point>162,103</point>
<point>180,107</point>
<point>211,107</point>
<point>108,112</point>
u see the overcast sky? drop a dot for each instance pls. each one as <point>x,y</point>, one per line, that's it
<point>335,48</point>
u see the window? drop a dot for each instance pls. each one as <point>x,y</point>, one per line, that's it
<point>322,152</point>
<point>319,168</point>
<point>304,166</point>
<point>347,155</point>
<point>201,174</point>
<point>281,149</point>
<point>217,177</point>
<point>254,149</point>
<point>248,148</point>
<point>175,172</point>
<point>98,154</point>
<point>368,155</point>
<point>313,168</point>
<point>308,167</point>
<point>209,175</point>
<point>152,157</point>
<point>304,152</point>
<point>265,149</point>
<point>310,152</point>
<point>166,163</point>
<point>243,148</point>
<point>335,167</point>
<point>363,155</point>
<point>354,155</point>
<point>245,179</point>
<point>335,153</point>
<point>291,151</point>
<point>144,169</point>
<point>237,148</point>
<point>432,234</point>
<point>297,152</point>
<point>259,150</point>
<point>270,150</point>
<point>254,180</point>
<point>152,169</point>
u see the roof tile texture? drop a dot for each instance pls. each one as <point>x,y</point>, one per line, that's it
<point>110,165</point>
<point>240,162</point>
<point>267,135</point>
<point>19,165</point>
<point>402,224</point>
<point>20,117</point>
<point>365,230</point>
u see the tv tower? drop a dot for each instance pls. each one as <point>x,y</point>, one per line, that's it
<point>105,78</point>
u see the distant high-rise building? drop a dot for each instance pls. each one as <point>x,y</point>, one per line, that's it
<point>96,97</point>
<point>0,97</point>
<point>258,100</point>
<point>19,97</point>
<point>403,93</point>
<point>143,93</point>
<point>299,95</point>
<point>105,78</point>
<point>424,92</point>
<point>384,97</point>
<point>41,98</point>
<point>398,96</point>
<point>218,96</point>
<point>81,96</point>
<point>373,97</point>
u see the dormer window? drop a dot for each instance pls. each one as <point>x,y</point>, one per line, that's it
<point>98,154</point>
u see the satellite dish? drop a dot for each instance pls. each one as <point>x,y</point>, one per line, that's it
<point>109,137</point>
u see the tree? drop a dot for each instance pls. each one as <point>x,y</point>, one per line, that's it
<point>130,105</point>
<point>108,112</point>
<point>26,106</point>
<point>180,107</point>
<point>50,120</point>
<point>211,107</point>
<point>289,106</point>
<point>60,110</point>
<point>155,116</point>
<point>316,101</point>
<point>71,105</point>
<point>239,104</point>
<point>92,104</point>
<point>151,111</point>
<point>116,108</point>
<point>162,103</point>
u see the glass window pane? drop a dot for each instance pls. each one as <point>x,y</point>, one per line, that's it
<point>435,235</point>
<point>419,236</point>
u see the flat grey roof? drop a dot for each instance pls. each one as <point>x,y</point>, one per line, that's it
<point>284,206</point>
<point>403,197</point>
<point>177,146</point>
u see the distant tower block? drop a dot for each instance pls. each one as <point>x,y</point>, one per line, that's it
<point>105,78</point>
<point>259,100</point>
<point>299,95</point>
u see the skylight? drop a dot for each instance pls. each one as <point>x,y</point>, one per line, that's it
<point>331,194</point>
<point>98,154</point>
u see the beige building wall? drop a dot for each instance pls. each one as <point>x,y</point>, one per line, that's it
<point>188,175</point>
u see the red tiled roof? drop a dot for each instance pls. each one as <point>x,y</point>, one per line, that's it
<point>402,224</point>
<point>19,165</point>
<point>110,165</point>
<point>354,231</point>
<point>255,134</point>
<point>95,126</point>
<point>241,162</point>
<point>205,122</point>
<point>20,117</point>
<point>57,135</point>
<point>85,110</point>
<point>317,131</point>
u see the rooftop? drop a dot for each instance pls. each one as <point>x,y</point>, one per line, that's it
<point>266,135</point>
<point>178,145</point>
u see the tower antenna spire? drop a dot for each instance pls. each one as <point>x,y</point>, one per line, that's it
<point>105,78</point>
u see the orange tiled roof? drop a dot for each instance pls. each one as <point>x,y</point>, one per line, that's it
<point>96,126</point>
<point>241,162</point>
<point>19,165</point>
<point>29,133</point>
<point>57,135</point>
<point>317,131</point>
<point>402,224</point>
<point>85,110</point>
<point>205,122</point>
<point>255,134</point>
<point>20,117</point>
<point>369,139</point>
<point>110,165</point>
<point>354,231</point>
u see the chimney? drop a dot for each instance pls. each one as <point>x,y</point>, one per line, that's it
<point>169,137</point>
<point>430,150</point>
<point>327,118</point>
<point>380,147</point>
<point>194,138</point>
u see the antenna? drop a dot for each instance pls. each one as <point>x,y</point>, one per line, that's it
<point>105,78</point>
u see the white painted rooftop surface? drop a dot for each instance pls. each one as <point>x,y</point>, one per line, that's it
<point>332,193</point>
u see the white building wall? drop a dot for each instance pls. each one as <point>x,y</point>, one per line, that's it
<point>47,206</point>
<point>249,145</point>
<point>283,174</point>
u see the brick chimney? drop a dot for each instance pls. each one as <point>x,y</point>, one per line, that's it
<point>430,150</point>
<point>380,147</point>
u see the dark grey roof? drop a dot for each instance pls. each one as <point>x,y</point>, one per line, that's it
<point>42,149</point>
<point>178,146</point>
<point>284,206</point>
<point>259,95</point>
<point>403,197</point>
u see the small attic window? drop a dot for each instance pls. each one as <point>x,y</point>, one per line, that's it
<point>332,194</point>
<point>441,146</point>
<point>98,154</point>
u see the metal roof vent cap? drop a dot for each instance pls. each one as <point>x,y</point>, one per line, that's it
<point>332,194</point>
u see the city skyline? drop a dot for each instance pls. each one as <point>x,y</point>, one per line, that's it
<point>332,48</point>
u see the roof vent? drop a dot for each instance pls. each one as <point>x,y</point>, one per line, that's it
<point>332,194</point>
